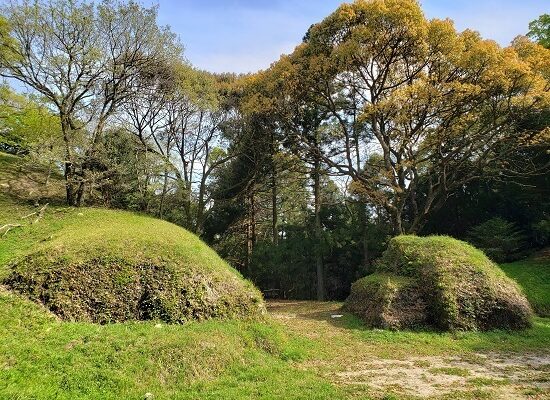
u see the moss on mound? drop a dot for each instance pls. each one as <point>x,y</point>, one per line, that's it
<point>109,266</point>
<point>440,282</point>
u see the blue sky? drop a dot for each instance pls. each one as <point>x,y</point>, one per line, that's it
<point>247,35</point>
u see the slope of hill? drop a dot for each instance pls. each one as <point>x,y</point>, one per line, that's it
<point>533,275</point>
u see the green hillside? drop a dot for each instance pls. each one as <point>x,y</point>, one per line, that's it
<point>533,275</point>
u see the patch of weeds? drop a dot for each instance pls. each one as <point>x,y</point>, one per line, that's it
<point>422,363</point>
<point>542,367</point>
<point>481,381</point>
<point>476,394</point>
<point>450,371</point>
<point>534,391</point>
<point>391,396</point>
<point>474,358</point>
<point>538,378</point>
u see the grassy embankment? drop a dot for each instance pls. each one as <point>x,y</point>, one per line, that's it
<point>533,275</point>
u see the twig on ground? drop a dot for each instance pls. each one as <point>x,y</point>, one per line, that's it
<point>29,215</point>
<point>8,228</point>
<point>41,213</point>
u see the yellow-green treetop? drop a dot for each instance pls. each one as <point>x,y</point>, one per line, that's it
<point>440,107</point>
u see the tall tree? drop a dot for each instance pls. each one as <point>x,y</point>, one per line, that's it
<point>179,113</point>
<point>83,58</point>
<point>434,108</point>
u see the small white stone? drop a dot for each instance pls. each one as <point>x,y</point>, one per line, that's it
<point>148,396</point>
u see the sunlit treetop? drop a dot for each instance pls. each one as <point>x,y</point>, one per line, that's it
<point>539,30</point>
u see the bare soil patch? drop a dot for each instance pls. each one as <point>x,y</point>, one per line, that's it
<point>382,370</point>
<point>509,376</point>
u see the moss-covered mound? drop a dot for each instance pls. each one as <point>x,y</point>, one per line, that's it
<point>441,282</point>
<point>109,266</point>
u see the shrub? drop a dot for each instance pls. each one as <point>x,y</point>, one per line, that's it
<point>541,232</point>
<point>499,239</point>
<point>440,282</point>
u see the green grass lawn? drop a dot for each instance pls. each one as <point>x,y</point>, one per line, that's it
<point>533,275</point>
<point>44,358</point>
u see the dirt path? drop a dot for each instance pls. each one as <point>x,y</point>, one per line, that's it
<point>382,364</point>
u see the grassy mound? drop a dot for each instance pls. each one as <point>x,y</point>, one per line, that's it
<point>441,282</point>
<point>110,266</point>
<point>43,357</point>
<point>393,302</point>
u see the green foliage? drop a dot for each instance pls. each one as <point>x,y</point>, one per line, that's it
<point>454,287</point>
<point>541,230</point>
<point>417,67</point>
<point>27,126</point>
<point>106,266</point>
<point>289,266</point>
<point>85,59</point>
<point>525,205</point>
<point>286,270</point>
<point>122,171</point>
<point>499,239</point>
<point>539,30</point>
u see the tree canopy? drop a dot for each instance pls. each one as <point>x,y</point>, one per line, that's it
<point>380,122</point>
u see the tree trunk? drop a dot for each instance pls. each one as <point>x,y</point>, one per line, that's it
<point>69,166</point>
<point>363,218</point>
<point>163,194</point>
<point>397,222</point>
<point>69,184</point>
<point>318,234</point>
<point>199,224</point>
<point>80,191</point>
<point>363,221</point>
<point>274,212</point>
<point>250,229</point>
<point>50,168</point>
